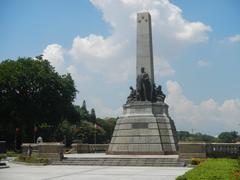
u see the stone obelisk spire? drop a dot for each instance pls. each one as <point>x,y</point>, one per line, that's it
<point>144,44</point>
<point>145,126</point>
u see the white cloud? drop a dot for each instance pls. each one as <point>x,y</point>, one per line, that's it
<point>208,116</point>
<point>112,58</point>
<point>166,18</point>
<point>76,75</point>
<point>195,31</point>
<point>55,54</point>
<point>162,68</point>
<point>101,56</point>
<point>235,38</point>
<point>93,46</point>
<point>102,110</point>
<point>202,63</point>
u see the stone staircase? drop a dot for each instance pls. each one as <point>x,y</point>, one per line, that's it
<point>130,161</point>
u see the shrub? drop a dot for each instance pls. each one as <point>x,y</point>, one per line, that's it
<point>197,161</point>
<point>3,156</point>
<point>12,154</point>
<point>32,159</point>
<point>181,178</point>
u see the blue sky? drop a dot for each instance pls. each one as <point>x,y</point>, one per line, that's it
<point>28,26</point>
<point>196,52</point>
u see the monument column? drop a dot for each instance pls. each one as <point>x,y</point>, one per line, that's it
<point>144,45</point>
<point>145,126</point>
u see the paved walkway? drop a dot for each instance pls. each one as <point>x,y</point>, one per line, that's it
<point>16,172</point>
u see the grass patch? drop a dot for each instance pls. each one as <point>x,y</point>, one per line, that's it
<point>213,169</point>
<point>9,154</point>
<point>12,154</point>
<point>32,159</point>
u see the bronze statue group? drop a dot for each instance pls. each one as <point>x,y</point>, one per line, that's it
<point>145,90</point>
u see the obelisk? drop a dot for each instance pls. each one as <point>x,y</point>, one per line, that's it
<point>145,128</point>
<point>144,44</point>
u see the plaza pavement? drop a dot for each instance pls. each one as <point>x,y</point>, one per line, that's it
<point>26,172</point>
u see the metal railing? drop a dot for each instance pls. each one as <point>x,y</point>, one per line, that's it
<point>223,150</point>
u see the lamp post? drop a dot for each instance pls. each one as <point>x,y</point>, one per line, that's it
<point>16,137</point>
<point>95,137</point>
<point>34,135</point>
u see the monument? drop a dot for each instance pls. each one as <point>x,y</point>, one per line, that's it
<point>145,128</point>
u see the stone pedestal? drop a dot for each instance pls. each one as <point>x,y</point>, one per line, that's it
<point>145,128</point>
<point>51,150</point>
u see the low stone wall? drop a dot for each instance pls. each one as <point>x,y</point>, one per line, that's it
<point>204,150</point>
<point>192,150</point>
<point>231,150</point>
<point>25,147</point>
<point>89,148</point>
<point>52,151</point>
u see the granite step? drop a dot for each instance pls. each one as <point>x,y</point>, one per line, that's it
<point>164,162</point>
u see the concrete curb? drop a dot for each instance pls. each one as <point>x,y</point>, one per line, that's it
<point>3,167</point>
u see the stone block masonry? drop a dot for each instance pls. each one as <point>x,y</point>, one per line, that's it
<point>145,126</point>
<point>152,133</point>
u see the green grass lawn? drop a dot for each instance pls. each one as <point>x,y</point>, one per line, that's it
<point>214,169</point>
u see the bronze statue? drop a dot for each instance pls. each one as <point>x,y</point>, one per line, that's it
<point>145,90</point>
<point>144,87</point>
<point>133,95</point>
<point>159,94</point>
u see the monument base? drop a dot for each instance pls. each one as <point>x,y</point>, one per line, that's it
<point>144,129</point>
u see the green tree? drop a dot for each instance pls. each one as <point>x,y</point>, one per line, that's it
<point>83,112</point>
<point>228,137</point>
<point>32,93</point>
<point>186,136</point>
<point>183,135</point>
<point>86,133</point>
<point>108,125</point>
<point>84,106</point>
<point>65,132</point>
<point>93,116</point>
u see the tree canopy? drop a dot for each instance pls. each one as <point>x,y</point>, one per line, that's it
<point>33,93</point>
<point>37,101</point>
<point>186,136</point>
<point>224,137</point>
<point>228,137</point>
